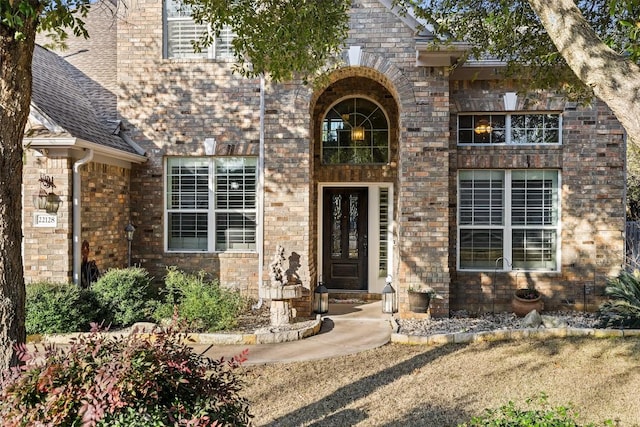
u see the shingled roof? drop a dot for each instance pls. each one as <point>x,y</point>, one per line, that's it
<point>59,98</point>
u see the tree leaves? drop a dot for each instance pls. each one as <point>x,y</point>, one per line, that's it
<point>278,38</point>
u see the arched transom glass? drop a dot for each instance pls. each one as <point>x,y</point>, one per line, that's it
<point>355,131</point>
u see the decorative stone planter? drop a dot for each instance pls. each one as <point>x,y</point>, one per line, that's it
<point>526,300</point>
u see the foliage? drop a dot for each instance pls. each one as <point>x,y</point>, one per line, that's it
<point>510,31</point>
<point>58,308</point>
<point>203,305</point>
<point>278,38</point>
<point>138,380</point>
<point>124,296</point>
<point>623,307</point>
<point>633,183</point>
<point>538,413</point>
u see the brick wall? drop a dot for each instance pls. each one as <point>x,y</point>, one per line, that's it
<point>47,250</point>
<point>105,213</point>
<point>591,165</point>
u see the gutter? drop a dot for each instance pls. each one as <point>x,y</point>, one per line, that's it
<point>77,255</point>
<point>260,230</point>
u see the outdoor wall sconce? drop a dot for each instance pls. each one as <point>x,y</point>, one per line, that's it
<point>483,127</point>
<point>389,297</point>
<point>128,231</point>
<point>321,299</point>
<point>47,201</point>
<point>357,133</point>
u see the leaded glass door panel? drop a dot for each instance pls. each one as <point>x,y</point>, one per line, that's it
<point>345,242</point>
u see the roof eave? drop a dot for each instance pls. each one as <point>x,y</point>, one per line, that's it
<point>431,54</point>
<point>76,143</point>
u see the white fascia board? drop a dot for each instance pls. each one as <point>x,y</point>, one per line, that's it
<point>39,116</point>
<point>81,144</point>
<point>430,54</point>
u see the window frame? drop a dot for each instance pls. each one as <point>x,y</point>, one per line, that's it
<point>210,53</point>
<point>507,226</point>
<point>212,210</point>
<point>370,132</point>
<point>508,121</point>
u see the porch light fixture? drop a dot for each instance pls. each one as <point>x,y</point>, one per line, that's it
<point>389,297</point>
<point>483,127</point>
<point>40,199</point>
<point>357,133</point>
<point>321,299</point>
<point>128,231</point>
<point>44,200</point>
<point>53,203</point>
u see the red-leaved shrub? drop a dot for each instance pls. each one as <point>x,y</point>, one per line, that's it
<point>150,379</point>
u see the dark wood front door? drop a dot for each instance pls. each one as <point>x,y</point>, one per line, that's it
<point>344,236</point>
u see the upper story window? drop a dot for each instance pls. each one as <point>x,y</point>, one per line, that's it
<point>355,131</point>
<point>181,31</point>
<point>211,204</point>
<point>529,128</point>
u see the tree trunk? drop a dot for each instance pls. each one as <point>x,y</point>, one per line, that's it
<point>614,79</point>
<point>15,98</point>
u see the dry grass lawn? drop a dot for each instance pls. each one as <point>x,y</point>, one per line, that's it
<point>400,385</point>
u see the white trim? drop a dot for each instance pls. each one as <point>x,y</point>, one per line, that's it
<point>507,227</point>
<point>77,143</point>
<point>355,53</point>
<point>375,282</point>
<point>211,210</point>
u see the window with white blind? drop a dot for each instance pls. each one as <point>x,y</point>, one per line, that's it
<point>181,31</point>
<point>508,220</point>
<point>519,129</point>
<point>211,204</point>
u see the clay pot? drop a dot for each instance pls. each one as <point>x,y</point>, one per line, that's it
<point>526,300</point>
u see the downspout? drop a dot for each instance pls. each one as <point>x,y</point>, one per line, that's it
<point>77,226</point>
<point>260,201</point>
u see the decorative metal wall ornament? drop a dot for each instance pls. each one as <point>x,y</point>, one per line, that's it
<point>47,200</point>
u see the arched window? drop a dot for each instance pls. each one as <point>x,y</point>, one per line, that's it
<point>355,131</point>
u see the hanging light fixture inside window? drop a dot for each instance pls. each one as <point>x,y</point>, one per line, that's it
<point>357,133</point>
<point>483,127</point>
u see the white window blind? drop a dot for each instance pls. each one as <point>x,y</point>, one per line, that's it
<point>211,204</point>
<point>181,31</point>
<point>508,219</point>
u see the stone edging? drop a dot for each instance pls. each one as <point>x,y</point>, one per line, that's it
<point>261,336</point>
<point>507,334</point>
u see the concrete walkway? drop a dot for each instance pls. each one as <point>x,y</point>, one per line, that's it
<point>348,328</point>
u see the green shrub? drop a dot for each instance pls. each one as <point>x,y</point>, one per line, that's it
<point>623,308</point>
<point>124,295</point>
<point>135,380</point>
<point>203,305</point>
<point>538,413</point>
<point>58,308</point>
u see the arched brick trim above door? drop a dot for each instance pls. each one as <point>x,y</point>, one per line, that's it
<point>378,69</point>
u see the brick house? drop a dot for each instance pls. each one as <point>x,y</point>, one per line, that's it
<point>400,166</point>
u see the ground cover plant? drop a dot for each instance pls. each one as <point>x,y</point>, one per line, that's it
<point>149,380</point>
<point>537,412</point>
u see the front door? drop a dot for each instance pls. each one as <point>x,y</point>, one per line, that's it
<point>344,236</point>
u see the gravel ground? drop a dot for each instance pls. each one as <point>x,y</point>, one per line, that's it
<point>462,322</point>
